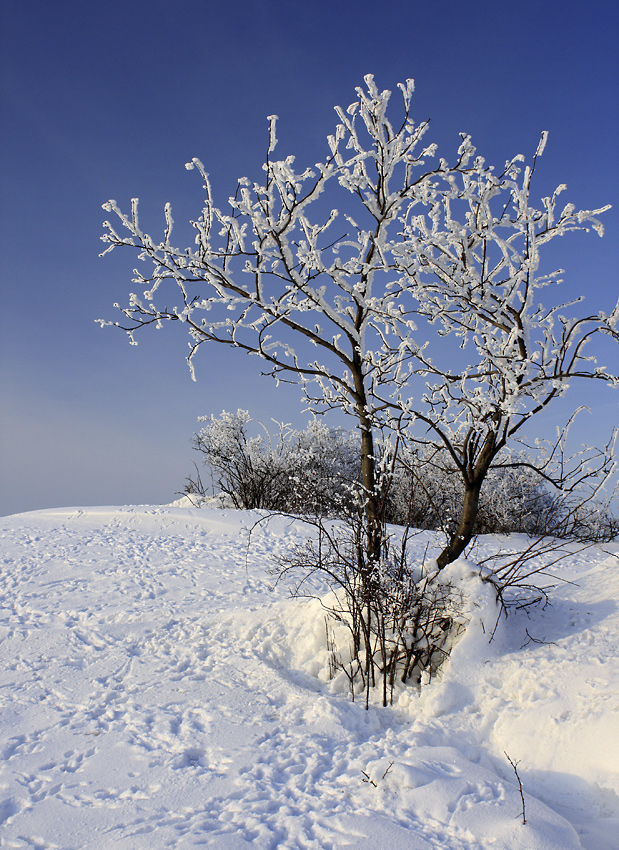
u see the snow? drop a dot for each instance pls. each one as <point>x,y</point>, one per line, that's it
<point>158,692</point>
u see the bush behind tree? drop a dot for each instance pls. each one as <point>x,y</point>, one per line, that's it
<point>315,472</point>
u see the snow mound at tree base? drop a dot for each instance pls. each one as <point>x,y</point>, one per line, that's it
<point>158,692</point>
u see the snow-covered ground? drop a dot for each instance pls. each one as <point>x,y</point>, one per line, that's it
<point>157,692</point>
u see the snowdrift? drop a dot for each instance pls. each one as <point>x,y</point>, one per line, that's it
<point>158,692</point>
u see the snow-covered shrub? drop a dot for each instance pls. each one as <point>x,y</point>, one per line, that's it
<point>306,472</point>
<point>513,500</point>
<point>246,463</point>
<point>421,493</point>
<point>324,470</point>
<point>426,492</point>
<point>400,619</point>
<point>587,520</point>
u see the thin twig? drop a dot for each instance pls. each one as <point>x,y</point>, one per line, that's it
<point>515,764</point>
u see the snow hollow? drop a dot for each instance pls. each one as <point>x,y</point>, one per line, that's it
<point>159,692</point>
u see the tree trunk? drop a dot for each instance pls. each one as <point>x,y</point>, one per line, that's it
<point>373,542</point>
<point>368,479</point>
<point>462,537</point>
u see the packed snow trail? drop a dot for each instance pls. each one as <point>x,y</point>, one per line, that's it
<point>158,692</point>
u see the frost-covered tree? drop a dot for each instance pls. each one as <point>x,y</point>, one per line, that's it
<point>359,305</point>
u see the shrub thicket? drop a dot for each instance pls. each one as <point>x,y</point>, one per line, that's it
<point>315,472</point>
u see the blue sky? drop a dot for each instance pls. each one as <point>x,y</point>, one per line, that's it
<point>110,100</point>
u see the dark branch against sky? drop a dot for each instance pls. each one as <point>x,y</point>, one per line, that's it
<point>111,100</point>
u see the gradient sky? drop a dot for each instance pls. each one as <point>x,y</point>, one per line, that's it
<point>110,100</point>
